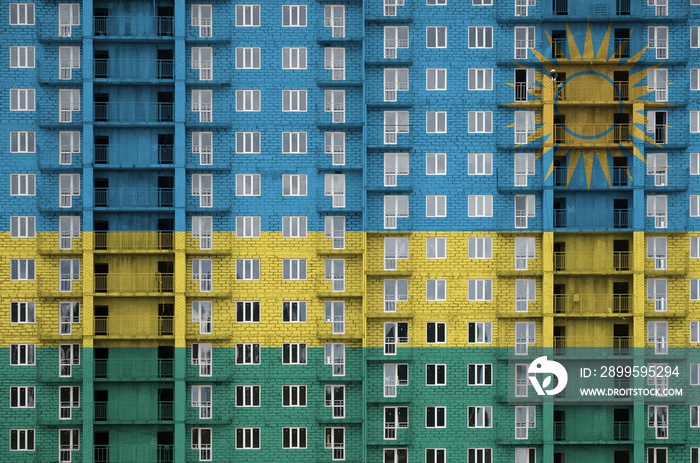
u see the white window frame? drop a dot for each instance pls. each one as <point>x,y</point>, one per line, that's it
<point>334,17</point>
<point>203,103</point>
<point>524,40</point>
<point>522,214</point>
<point>525,249</point>
<point>395,375</point>
<point>436,289</point>
<point>480,37</point>
<point>657,249</point>
<point>436,79</point>
<point>525,418</point>
<point>22,99</point>
<point>68,59</point>
<point>22,312</point>
<point>21,14</point>
<point>525,334</point>
<point>525,291</point>
<point>657,334</point>
<point>435,163</point>
<point>479,416</point>
<point>395,291</point>
<point>293,15</point>
<point>435,416</point>
<point>334,354</point>
<point>657,207</point>
<point>294,226</point>
<point>203,188</point>
<point>68,145</point>
<point>436,205</point>
<point>68,187</point>
<point>658,418</point>
<point>480,247</point>
<point>480,122</point>
<point>246,58</point>
<point>22,440</point>
<point>247,15</point>
<point>203,61</point>
<point>657,291</point>
<point>247,269</point>
<point>483,333</point>
<point>436,37</point>
<point>395,80</point>
<point>334,102</point>
<point>334,313</point>
<point>658,40</point>
<point>22,141</point>
<point>22,269</point>
<point>294,184</point>
<point>480,205</point>
<point>294,58</point>
<point>334,228</point>
<point>247,353</point>
<point>334,144</point>
<point>436,247</point>
<point>248,226</point>
<point>68,16</point>
<point>394,249</point>
<point>203,271</point>
<point>69,270</point>
<point>334,60</point>
<point>480,79</point>
<point>68,102</point>
<point>22,354</point>
<point>248,100</point>
<point>293,311</point>
<point>202,443</point>
<point>395,37</point>
<point>22,57</point>
<point>22,396</point>
<point>248,142</point>
<point>294,269</point>
<point>335,398</point>
<point>68,355</point>
<point>247,438</point>
<point>202,19</point>
<point>202,400</point>
<point>657,82</point>
<point>202,314</point>
<point>68,229</point>
<point>480,374</point>
<point>247,311</point>
<point>294,395</point>
<point>436,122</point>
<point>335,272</point>
<point>335,187</point>
<point>294,101</point>
<point>480,164</point>
<point>22,226</point>
<point>294,142</point>
<point>395,206</point>
<point>480,289</point>
<point>248,184</point>
<point>294,353</point>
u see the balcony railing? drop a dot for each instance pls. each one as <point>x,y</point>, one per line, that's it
<point>576,92</point>
<point>133,283</point>
<point>137,112</point>
<point>133,327</point>
<point>133,26</point>
<point>592,219</point>
<point>137,412</point>
<point>133,241</point>
<point>132,198</point>
<point>133,69</point>
<point>591,134</point>
<point>591,262</point>
<point>592,304</point>
<point>620,178</point>
<point>621,345</point>
<point>559,431</point>
<point>621,430</point>
<point>133,454</point>
<point>133,155</point>
<point>133,369</point>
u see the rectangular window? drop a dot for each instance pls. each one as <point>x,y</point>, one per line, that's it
<point>436,455</point>
<point>294,269</point>
<point>68,101</point>
<point>335,356</point>
<point>68,399</point>
<point>395,80</point>
<point>524,293</point>
<point>294,226</point>
<point>203,188</point>
<point>480,37</point>
<point>435,374</point>
<point>657,292</point>
<point>22,184</point>
<point>435,163</point>
<point>335,272</point>
<point>395,206</point>
<point>202,355</point>
<point>694,36</point>
<point>22,57</point>
<point>335,440</point>
<point>395,164</point>
<point>68,355</point>
<point>202,103</point>
<point>247,15</point>
<point>248,226</point>
<point>22,397</point>
<point>202,271</point>
<point>247,354</point>
<point>334,228</point>
<point>394,418</point>
<point>22,142</point>
<point>248,312</point>
<point>479,333</point>
<point>436,37</point>
<point>293,438</point>
<point>694,121</point>
<point>395,122</point>
<point>480,290</point>
<point>436,206</point>
<point>395,37</point>
<point>334,144</point>
<point>524,41</point>
<point>436,248</point>
<point>248,100</point>
<point>335,398</point>
<point>695,332</point>
<point>479,417</point>
<point>294,353</point>
<point>68,229</point>
<point>247,269</point>
<point>202,228</point>
<point>523,167</point>
<point>436,332</point>
<point>334,102</point>
<point>68,16</point>
<point>22,269</point>
<point>436,122</point>
<point>521,380</point>
<point>248,142</point>
<point>695,374</point>
<point>293,100</point>
<point>479,374</point>
<point>334,17</point>
<point>657,81</point>
<point>524,251</point>
<point>201,442</point>
<point>22,99</point>
<point>394,291</point>
<point>395,375</point>
<point>657,455</point>
<point>524,420</point>
<point>68,187</point>
<point>202,400</point>
<point>22,440</point>
<point>334,186</point>
<point>480,206</point>
<point>480,248</point>
<point>658,40</point>
<point>294,396</point>
<point>480,163</point>
<point>203,61</point>
<point>68,145</point>
<point>294,184</point>
<point>68,59</point>
<point>524,126</point>
<point>695,417</point>
<point>21,14</point>
<point>657,250</point>
<point>480,122</point>
<point>435,417</point>
<point>22,354</point>
<point>436,79</point>
<point>435,290</point>
<point>68,314</point>
<point>23,226</point>
<point>657,334</point>
<point>524,208</point>
<point>22,312</point>
<point>657,207</point>
<point>658,419</point>
<point>293,15</point>
<point>480,79</point>
<point>294,58</point>
<point>293,142</point>
<point>334,60</point>
<point>247,58</point>
<point>524,336</point>
<point>294,311</point>
<point>247,184</point>
<point>69,270</point>
<point>202,18</point>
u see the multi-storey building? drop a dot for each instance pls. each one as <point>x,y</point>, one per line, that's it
<point>342,230</point>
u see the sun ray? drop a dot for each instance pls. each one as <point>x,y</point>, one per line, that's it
<point>603,49</point>
<point>574,54</point>
<point>588,44</point>
<point>571,166</point>
<point>604,164</point>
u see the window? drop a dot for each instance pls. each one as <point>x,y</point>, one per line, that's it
<point>203,61</point>
<point>334,228</point>
<point>524,336</point>
<point>69,270</point>
<point>695,374</point>
<point>248,312</point>
<point>22,57</point>
<point>436,248</point>
<point>695,416</point>
<point>480,79</point>
<point>395,164</point>
<point>334,17</point>
<point>436,122</point>
<point>68,186</point>
<point>658,419</point>
<point>657,207</point>
<point>657,126</point>
<point>436,2</point>
<point>294,100</point>
<point>395,122</point>
<point>657,81</point>
<point>202,228</point>
<point>294,311</point>
<point>293,438</point>
<point>479,333</point>
<point>694,121</point>
<point>247,226</point>
<point>68,399</point>
<point>394,249</point>
<point>294,16</point>
<point>69,144</point>
<point>69,355</point>
<point>479,417</point>
<point>435,455</point>
<point>523,166</point>
<point>479,374</point>
<point>68,16</point>
<point>201,442</point>
<point>656,249</point>
<point>694,36</point>
<point>294,226</point>
<point>335,272</point>
<point>69,313</point>
<point>335,356</point>
<point>22,269</point>
<point>22,185</point>
<point>394,375</point>
<point>395,37</point>
<point>247,354</point>
<point>335,440</point>
<point>22,440</point>
<point>68,59</point>
<point>202,18</point>
<point>202,357</point>
<point>202,103</point>
<point>22,226</point>
<point>294,396</point>
<point>335,104</point>
<point>657,165</point>
<point>22,354</point>
<point>294,353</point>
<point>22,142</point>
<point>395,455</point>
<point>480,163</point>
<point>657,334</point>
<point>521,379</point>
<point>68,101</point>
<point>657,455</point>
<point>293,142</point>
<point>480,290</point>
<point>394,291</point>
<point>524,208</point>
<point>68,228</point>
<point>436,206</point>
<point>656,291</point>
<point>658,40</point>
<point>480,37</point>
<point>21,14</point>
<point>201,399</point>
<point>436,37</point>
<point>293,184</point>
<point>247,184</point>
<point>248,100</point>
<point>524,293</point>
<point>395,80</point>
<point>335,397</point>
<point>436,79</point>
<point>480,206</point>
<point>480,122</point>
<point>695,332</point>
<point>246,142</point>
<point>68,441</point>
<point>435,374</point>
<point>334,186</point>
<point>394,207</point>
<point>524,40</point>
<point>524,420</point>
<point>247,58</point>
<point>334,60</point>
<point>22,99</point>
<point>22,312</point>
<point>694,289</point>
<point>394,418</point>
<point>294,269</point>
<point>436,332</point>
<point>481,2</point>
<point>435,164</point>
<point>248,438</point>
<point>524,126</point>
<point>247,15</point>
<point>526,455</point>
<point>480,248</point>
<point>435,417</point>
<point>334,144</point>
<point>247,269</point>
<point>294,58</point>
<point>22,397</point>
<point>202,271</point>
<point>695,78</point>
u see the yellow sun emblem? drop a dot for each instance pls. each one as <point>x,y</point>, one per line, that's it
<point>590,105</point>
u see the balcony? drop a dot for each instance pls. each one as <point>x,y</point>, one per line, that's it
<point>136,242</point>
<point>133,113</point>
<point>133,27</point>
<point>592,262</point>
<point>147,284</point>
<point>138,412</point>
<point>134,156</point>
<point>603,432</point>
<point>133,198</point>
<point>661,181</point>
<point>621,345</point>
<point>126,327</point>
<point>620,179</point>
<point>592,219</point>
<point>591,135</point>
<point>133,453</point>
<point>133,70</point>
<point>615,347</point>
<point>590,94</point>
<point>134,369</point>
<point>592,304</point>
